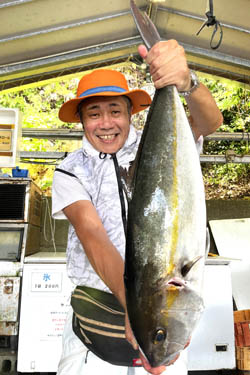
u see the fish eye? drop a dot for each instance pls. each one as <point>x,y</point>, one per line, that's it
<point>160,336</point>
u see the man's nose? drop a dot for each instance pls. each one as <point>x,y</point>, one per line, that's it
<point>106,122</point>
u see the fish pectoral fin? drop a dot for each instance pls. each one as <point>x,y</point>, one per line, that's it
<point>187,267</point>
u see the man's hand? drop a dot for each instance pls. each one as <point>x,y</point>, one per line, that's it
<point>152,370</point>
<point>168,64</point>
<point>129,333</point>
<point>131,339</point>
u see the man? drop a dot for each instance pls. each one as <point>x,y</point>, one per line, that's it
<point>85,186</point>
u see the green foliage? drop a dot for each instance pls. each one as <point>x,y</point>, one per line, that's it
<point>225,174</point>
<point>234,102</point>
<point>40,105</point>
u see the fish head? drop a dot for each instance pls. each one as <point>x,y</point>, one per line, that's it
<point>160,347</point>
<point>165,304</point>
<point>164,318</point>
<point>166,332</point>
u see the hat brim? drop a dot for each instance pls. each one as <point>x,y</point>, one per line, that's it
<point>140,100</point>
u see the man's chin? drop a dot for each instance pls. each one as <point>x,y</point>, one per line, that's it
<point>109,151</point>
<point>109,148</point>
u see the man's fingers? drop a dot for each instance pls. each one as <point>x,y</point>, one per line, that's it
<point>129,334</point>
<point>143,51</point>
<point>149,369</point>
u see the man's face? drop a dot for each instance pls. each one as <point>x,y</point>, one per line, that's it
<point>106,122</point>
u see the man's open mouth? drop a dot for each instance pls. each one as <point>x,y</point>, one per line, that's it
<point>107,137</point>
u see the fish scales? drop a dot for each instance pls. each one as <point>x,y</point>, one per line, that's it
<point>166,231</point>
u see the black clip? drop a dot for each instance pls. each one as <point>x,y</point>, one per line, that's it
<point>211,21</point>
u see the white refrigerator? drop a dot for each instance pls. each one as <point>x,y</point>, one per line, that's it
<point>45,301</point>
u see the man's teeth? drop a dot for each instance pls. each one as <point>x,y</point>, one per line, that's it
<point>107,136</point>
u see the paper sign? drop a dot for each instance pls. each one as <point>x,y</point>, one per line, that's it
<point>5,140</point>
<point>46,281</point>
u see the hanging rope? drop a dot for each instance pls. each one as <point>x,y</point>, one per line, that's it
<point>211,21</point>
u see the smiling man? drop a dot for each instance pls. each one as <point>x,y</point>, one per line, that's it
<point>86,191</point>
<point>106,122</point>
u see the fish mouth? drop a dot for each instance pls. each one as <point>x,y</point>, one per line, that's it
<point>154,361</point>
<point>176,282</point>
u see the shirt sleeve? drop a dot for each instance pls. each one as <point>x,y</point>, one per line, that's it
<point>66,189</point>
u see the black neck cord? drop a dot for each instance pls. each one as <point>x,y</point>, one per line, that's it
<point>120,189</point>
<point>102,156</point>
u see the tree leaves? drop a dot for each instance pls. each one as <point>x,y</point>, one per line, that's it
<point>39,106</point>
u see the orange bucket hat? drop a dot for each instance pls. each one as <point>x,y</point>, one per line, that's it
<point>103,82</point>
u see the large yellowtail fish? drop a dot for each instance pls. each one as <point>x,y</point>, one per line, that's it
<point>166,233</point>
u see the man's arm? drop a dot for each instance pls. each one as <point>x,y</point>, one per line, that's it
<point>103,256</point>
<point>205,116</point>
<point>168,66</point>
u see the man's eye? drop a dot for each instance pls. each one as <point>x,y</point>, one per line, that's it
<point>94,115</point>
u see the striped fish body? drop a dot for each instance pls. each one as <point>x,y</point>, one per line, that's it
<point>166,233</point>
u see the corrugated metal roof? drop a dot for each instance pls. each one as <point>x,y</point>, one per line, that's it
<point>40,39</point>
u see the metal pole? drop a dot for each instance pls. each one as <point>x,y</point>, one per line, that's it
<point>78,134</point>
<point>217,159</point>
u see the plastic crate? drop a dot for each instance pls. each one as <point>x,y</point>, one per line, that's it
<point>242,328</point>
<point>243,358</point>
<point>241,315</point>
<point>17,172</point>
<point>242,339</point>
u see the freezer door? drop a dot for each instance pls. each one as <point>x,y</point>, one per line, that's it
<point>45,300</point>
<point>212,344</point>
<point>232,238</point>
